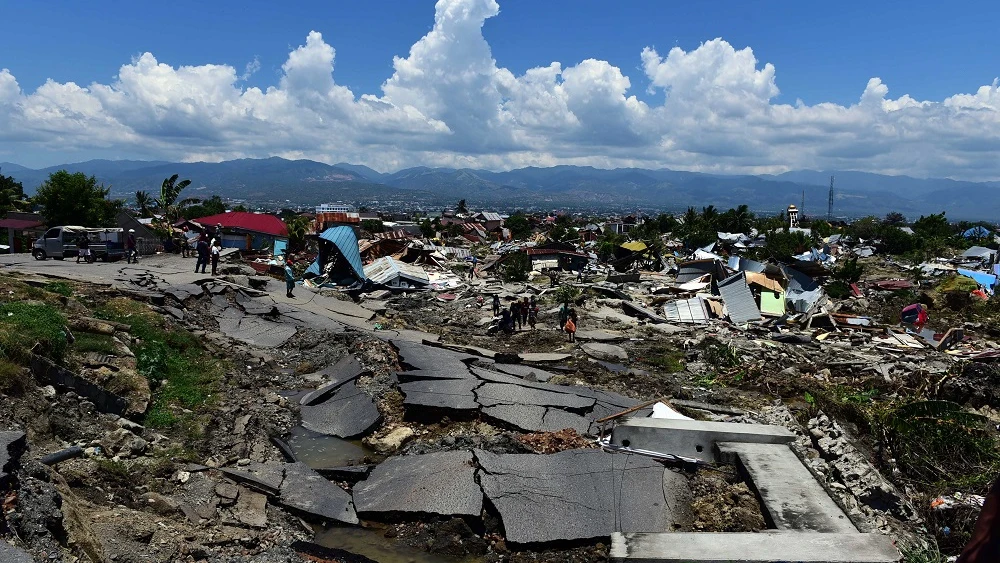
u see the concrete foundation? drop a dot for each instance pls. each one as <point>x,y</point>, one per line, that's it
<point>766,547</point>
<point>692,438</point>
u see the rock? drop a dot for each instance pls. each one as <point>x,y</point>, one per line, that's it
<point>12,445</point>
<point>393,440</point>
<point>251,508</point>
<point>122,442</point>
<point>11,554</point>
<point>48,392</point>
<point>160,504</point>
<point>606,352</point>
<point>227,491</point>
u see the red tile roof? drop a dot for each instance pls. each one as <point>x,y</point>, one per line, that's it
<point>256,222</point>
<point>17,224</point>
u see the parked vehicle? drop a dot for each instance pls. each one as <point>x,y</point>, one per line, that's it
<point>60,242</point>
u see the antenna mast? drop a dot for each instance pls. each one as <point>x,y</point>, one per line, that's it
<point>802,208</point>
<point>829,208</point>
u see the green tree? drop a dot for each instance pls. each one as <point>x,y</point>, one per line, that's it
<point>895,240</point>
<point>461,207</point>
<point>894,218</point>
<point>170,190</point>
<point>427,228</point>
<point>373,226</point>
<point>739,220</point>
<point>666,223</point>
<point>11,195</point>
<point>298,228</point>
<point>607,243</point>
<point>143,201</point>
<point>784,244</point>
<point>515,267</point>
<point>518,225</point>
<point>206,208</point>
<point>75,199</point>
<point>933,226</point>
<point>865,228</point>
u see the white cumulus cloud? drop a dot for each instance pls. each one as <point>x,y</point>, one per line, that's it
<point>449,102</point>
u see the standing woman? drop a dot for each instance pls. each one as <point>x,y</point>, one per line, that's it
<point>216,249</point>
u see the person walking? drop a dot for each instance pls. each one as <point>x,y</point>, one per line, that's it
<point>563,315</point>
<point>202,250</point>
<point>289,279</point>
<point>472,270</point>
<point>525,309</point>
<point>515,313</point>
<point>215,250</point>
<point>570,326</point>
<point>532,314</point>
<point>131,256</point>
<point>185,244</point>
<point>83,249</point>
<point>496,304</point>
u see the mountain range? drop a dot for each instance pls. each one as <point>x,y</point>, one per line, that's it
<point>305,182</point>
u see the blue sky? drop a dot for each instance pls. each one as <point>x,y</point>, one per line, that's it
<point>821,53</point>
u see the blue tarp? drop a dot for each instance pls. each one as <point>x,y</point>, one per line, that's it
<point>977,232</point>
<point>279,247</point>
<point>345,241</point>
<point>988,281</point>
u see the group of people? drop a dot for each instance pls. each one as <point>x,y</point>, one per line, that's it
<point>84,252</point>
<point>525,312</point>
<point>208,250</point>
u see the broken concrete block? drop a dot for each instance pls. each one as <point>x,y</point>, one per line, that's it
<point>11,554</point>
<point>438,483</point>
<point>349,413</point>
<point>309,492</point>
<point>606,352</point>
<point>752,547</point>
<point>265,477</point>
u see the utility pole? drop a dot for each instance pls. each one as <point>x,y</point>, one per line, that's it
<point>829,208</point>
<point>802,208</point>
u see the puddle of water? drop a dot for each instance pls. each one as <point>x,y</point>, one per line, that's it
<point>373,545</point>
<point>320,451</point>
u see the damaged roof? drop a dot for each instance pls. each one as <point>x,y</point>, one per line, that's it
<point>385,270</point>
<point>740,304</point>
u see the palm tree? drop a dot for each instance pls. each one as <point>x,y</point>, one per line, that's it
<point>298,228</point>
<point>142,201</point>
<point>167,202</point>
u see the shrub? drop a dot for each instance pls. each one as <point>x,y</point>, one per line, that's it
<point>24,324</point>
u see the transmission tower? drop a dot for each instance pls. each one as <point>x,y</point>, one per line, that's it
<point>829,205</point>
<point>802,208</point>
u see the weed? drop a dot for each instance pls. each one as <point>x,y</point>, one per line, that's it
<point>924,554</point>
<point>62,288</point>
<point>174,357</point>
<point>98,343</point>
<point>24,324</point>
<point>668,360</point>
<point>13,378</point>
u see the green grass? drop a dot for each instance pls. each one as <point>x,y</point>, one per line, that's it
<point>926,554</point>
<point>24,324</point>
<point>62,288</point>
<point>189,376</point>
<point>13,378</point>
<point>666,359</point>
<point>98,343</point>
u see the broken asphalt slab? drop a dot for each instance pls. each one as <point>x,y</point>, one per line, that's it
<point>306,491</point>
<point>437,483</point>
<point>348,413</point>
<point>451,394</point>
<point>254,330</point>
<point>528,373</point>
<point>490,394</point>
<point>578,494</point>
<point>11,554</point>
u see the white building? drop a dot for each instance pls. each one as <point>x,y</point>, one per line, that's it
<point>793,217</point>
<point>333,208</point>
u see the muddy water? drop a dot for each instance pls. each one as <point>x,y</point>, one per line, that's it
<point>373,545</point>
<point>320,451</point>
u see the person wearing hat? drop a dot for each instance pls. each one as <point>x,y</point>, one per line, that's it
<point>130,254</point>
<point>289,278</point>
<point>216,249</point>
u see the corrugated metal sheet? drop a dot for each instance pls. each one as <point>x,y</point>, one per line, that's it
<point>387,271</point>
<point>690,311</point>
<point>347,243</point>
<point>690,271</point>
<point>740,304</point>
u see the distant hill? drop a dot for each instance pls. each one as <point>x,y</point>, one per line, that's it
<point>279,180</point>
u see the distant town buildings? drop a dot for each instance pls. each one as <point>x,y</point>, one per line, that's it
<point>333,208</point>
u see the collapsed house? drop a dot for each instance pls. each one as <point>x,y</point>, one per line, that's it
<point>339,258</point>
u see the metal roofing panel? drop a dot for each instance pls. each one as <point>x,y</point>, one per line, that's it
<point>347,243</point>
<point>689,271</point>
<point>385,270</point>
<point>740,303</point>
<point>978,252</point>
<point>686,311</point>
